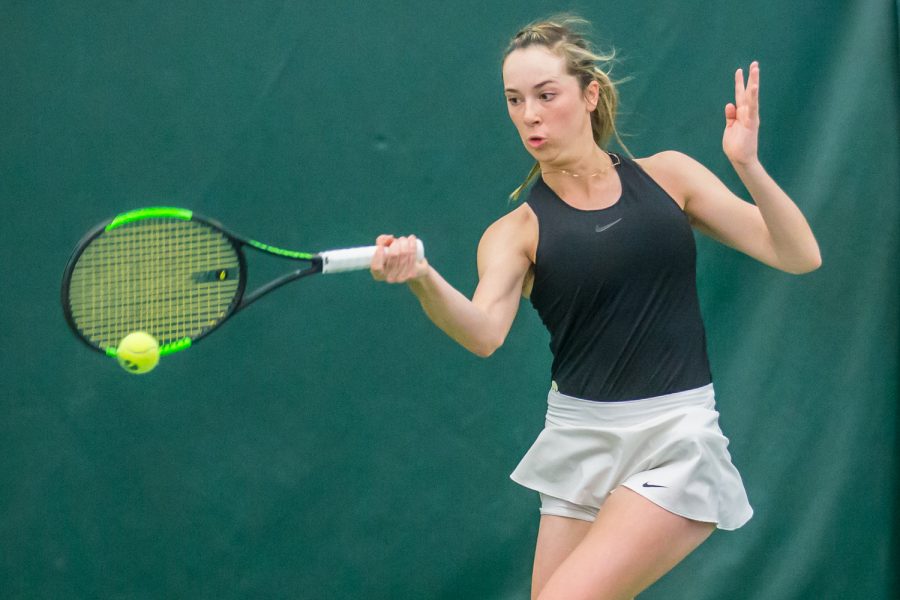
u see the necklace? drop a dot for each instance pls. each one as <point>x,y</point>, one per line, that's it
<point>614,162</point>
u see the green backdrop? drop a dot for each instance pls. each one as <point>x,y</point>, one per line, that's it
<point>359,453</point>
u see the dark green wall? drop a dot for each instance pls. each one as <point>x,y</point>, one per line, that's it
<point>360,453</point>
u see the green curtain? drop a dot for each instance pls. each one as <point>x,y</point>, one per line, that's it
<point>330,442</point>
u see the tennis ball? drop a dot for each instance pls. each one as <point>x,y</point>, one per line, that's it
<point>138,352</point>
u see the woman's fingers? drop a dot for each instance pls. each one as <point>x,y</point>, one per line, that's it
<point>730,113</point>
<point>746,98</point>
<point>739,88</point>
<point>378,259</point>
<point>753,90</point>
<point>406,259</point>
<point>395,259</point>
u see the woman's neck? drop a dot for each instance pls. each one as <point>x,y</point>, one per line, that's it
<point>587,184</point>
<point>595,163</point>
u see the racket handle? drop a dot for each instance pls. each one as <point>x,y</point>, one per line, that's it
<point>355,259</point>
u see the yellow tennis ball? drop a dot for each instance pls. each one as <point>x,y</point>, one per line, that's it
<point>138,352</point>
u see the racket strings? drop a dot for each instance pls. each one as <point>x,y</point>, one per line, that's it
<point>171,278</point>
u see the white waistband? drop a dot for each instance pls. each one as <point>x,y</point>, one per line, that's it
<point>565,409</point>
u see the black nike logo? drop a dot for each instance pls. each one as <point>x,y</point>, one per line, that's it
<point>652,485</point>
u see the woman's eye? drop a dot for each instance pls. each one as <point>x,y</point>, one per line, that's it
<point>547,96</point>
<point>513,101</point>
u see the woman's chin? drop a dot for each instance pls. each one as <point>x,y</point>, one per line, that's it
<point>540,153</point>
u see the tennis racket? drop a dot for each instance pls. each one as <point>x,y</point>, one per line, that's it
<point>173,274</point>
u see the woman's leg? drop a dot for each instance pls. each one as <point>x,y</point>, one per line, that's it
<point>632,543</point>
<point>557,538</point>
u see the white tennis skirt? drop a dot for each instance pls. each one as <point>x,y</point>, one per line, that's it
<point>668,449</point>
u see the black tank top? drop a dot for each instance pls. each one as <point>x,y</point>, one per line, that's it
<point>616,288</point>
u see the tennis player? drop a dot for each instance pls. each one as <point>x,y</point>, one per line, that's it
<point>632,468</point>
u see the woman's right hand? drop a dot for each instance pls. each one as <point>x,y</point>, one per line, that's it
<point>396,260</point>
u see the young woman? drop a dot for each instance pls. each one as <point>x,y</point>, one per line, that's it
<point>632,468</point>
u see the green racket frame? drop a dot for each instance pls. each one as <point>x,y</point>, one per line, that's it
<point>162,214</point>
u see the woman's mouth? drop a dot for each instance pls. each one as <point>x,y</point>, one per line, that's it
<point>536,141</point>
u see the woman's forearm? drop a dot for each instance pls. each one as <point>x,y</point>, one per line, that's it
<point>792,238</point>
<point>455,314</point>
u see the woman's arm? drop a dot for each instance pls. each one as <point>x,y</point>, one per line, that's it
<point>784,239</point>
<point>773,231</point>
<point>482,323</point>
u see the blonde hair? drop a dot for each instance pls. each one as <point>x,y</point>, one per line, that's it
<point>563,35</point>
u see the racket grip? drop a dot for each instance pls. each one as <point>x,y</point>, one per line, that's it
<point>355,259</point>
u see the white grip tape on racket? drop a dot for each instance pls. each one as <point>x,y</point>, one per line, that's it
<point>355,259</point>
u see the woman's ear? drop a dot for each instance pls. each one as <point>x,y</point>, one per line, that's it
<point>592,95</point>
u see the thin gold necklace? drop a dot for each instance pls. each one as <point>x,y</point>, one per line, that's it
<point>614,161</point>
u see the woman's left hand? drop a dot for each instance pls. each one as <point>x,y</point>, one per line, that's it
<point>742,119</point>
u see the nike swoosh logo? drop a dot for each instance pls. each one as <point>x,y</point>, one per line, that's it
<point>598,228</point>
<point>652,485</point>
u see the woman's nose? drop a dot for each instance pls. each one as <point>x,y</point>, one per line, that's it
<point>532,113</point>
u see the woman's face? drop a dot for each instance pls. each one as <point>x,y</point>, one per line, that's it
<point>547,105</point>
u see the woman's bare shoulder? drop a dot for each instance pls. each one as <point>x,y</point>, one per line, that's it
<point>516,231</point>
<point>516,222</point>
<point>668,168</point>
